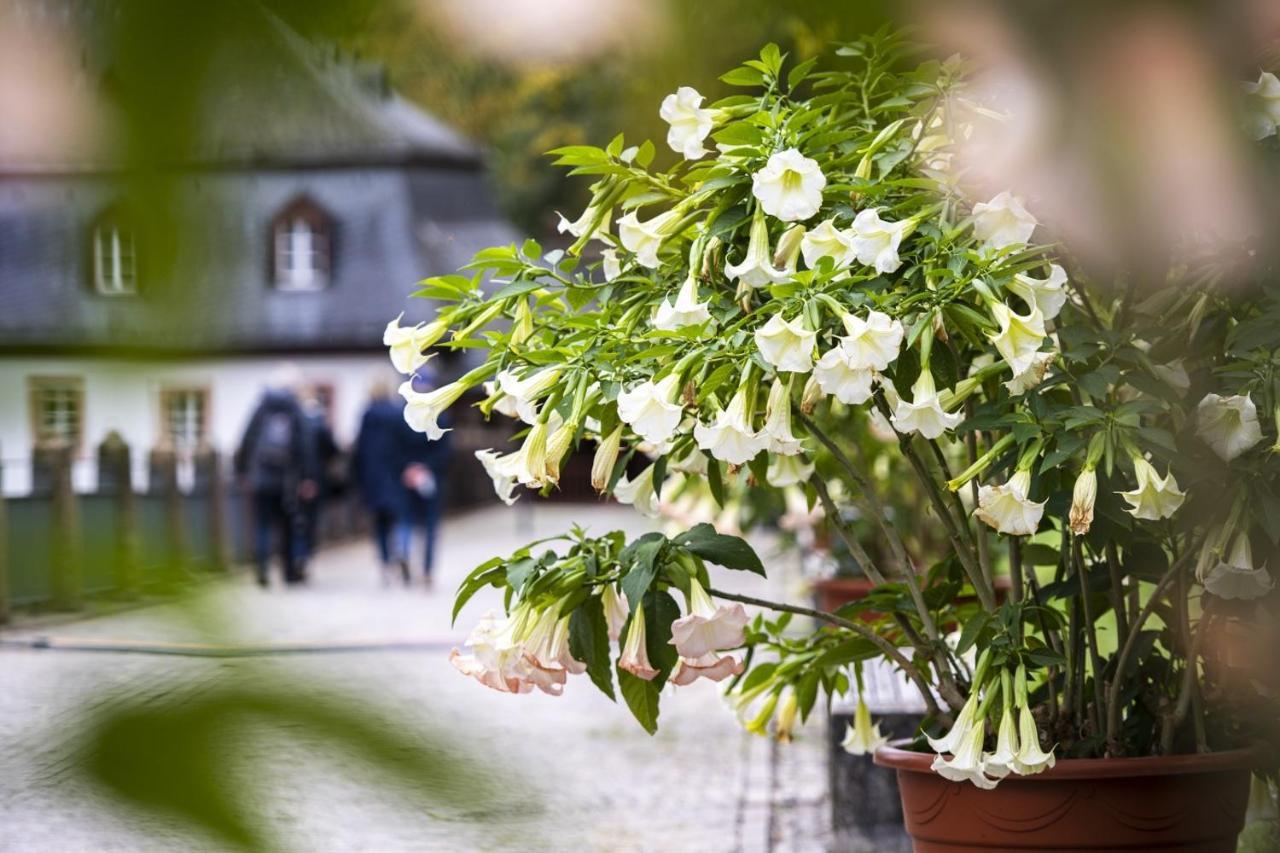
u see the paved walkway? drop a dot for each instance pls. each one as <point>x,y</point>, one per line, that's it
<point>576,772</point>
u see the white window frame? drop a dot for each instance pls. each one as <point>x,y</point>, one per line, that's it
<point>194,402</point>
<point>66,423</point>
<point>115,260</point>
<point>301,254</point>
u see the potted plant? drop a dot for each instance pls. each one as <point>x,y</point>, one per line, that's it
<point>808,268</point>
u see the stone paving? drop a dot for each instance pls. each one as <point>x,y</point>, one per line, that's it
<point>575,772</point>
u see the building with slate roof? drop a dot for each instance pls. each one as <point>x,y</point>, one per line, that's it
<point>317,199</point>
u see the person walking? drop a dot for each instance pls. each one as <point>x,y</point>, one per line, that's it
<point>320,444</point>
<point>425,475</point>
<point>378,466</point>
<point>275,466</point>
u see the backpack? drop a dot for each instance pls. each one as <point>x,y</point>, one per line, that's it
<point>273,451</point>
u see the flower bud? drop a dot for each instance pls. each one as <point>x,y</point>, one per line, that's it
<point>557,447</point>
<point>1082,497</point>
<point>788,248</point>
<point>605,459</point>
<point>786,721</point>
<point>811,396</point>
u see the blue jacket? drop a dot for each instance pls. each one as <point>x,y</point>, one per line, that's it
<point>386,446</point>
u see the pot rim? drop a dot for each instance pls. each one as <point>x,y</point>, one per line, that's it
<point>893,755</point>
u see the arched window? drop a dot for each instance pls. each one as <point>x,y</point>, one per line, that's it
<point>115,256</point>
<point>301,235</point>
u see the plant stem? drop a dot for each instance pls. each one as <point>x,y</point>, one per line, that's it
<point>984,554</point>
<point>1091,637</point>
<point>891,651</point>
<point>1016,593</point>
<point>1117,593</point>
<point>1126,651</point>
<point>1190,682</point>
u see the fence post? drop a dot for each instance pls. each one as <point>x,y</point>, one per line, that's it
<point>209,476</point>
<point>4,553</point>
<point>164,479</point>
<point>68,581</point>
<point>115,476</point>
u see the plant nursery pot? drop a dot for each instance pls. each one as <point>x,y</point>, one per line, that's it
<point>1175,803</point>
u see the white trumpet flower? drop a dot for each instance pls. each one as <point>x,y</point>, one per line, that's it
<point>786,471</point>
<point>966,763</point>
<point>835,375</point>
<point>606,457</point>
<point>635,654</point>
<point>1008,509</point>
<point>579,226</point>
<point>923,413</point>
<point>1031,378</point>
<point>876,242</point>
<point>644,239</point>
<point>689,123</point>
<point>1228,424</point>
<point>1000,763</point>
<point>502,469</point>
<point>789,186</point>
<point>615,610</point>
<point>610,265</point>
<point>1155,497</point>
<point>406,343</point>
<point>756,268</point>
<point>422,411</point>
<point>1264,98</point>
<point>863,737</point>
<point>787,345</point>
<point>639,492</point>
<point>707,627</point>
<point>652,410</point>
<point>1236,577</point>
<point>777,422</point>
<point>1030,759</point>
<point>828,241</point>
<point>730,437</point>
<point>709,666</point>
<point>686,310</point>
<point>873,342</point>
<point>1003,221</point>
<point>525,393</point>
<point>1019,337</point>
<point>1048,294</point>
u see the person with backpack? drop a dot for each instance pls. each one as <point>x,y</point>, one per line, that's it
<point>276,467</point>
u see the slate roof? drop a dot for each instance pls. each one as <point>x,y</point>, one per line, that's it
<point>407,196</point>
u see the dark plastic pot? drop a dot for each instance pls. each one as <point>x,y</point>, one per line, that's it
<point>1176,803</point>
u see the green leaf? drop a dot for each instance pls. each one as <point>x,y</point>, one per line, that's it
<point>660,610</point>
<point>515,288</point>
<point>723,550</point>
<point>642,554</point>
<point>642,698</point>
<point>743,76</point>
<point>589,643</point>
<point>972,630</point>
<point>488,572</point>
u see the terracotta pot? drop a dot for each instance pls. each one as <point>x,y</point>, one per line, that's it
<point>1181,802</point>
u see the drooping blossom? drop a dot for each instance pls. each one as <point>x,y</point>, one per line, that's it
<point>1008,509</point>
<point>644,239</point>
<point>502,470</point>
<point>406,344</point>
<point>730,437</point>
<point>924,413</point>
<point>526,392</point>
<point>789,187</point>
<point>967,762</point>
<point>547,645</point>
<point>786,471</point>
<point>606,457</point>
<point>965,720</point>
<point>1031,378</point>
<point>1228,424</point>
<point>1048,294</point>
<point>1003,221</point>
<point>503,404</point>
<point>863,737</point>
<point>873,341</point>
<point>1031,759</point>
<point>709,666</point>
<point>635,655</point>
<point>1264,105</point>
<point>1155,497</point>
<point>787,251</point>
<point>1236,576</point>
<point>615,610</point>
<point>876,242</point>
<point>640,493</point>
<point>787,345</point>
<point>422,411</point>
<point>777,422</point>
<point>494,666</point>
<point>690,123</point>
<point>1019,337</point>
<point>827,241</point>
<point>756,268</point>
<point>651,409</point>
<point>1000,763</point>
<point>784,725</point>
<point>685,310</point>
<point>1083,495</point>
<point>707,627</point>
<point>610,264</point>
<point>835,375</point>
<point>579,226</point>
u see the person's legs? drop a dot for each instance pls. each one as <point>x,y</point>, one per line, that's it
<point>305,541</point>
<point>290,533</point>
<point>263,523</point>
<point>383,522</point>
<point>403,542</point>
<point>430,523</point>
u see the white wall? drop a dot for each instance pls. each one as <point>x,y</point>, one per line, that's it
<point>124,395</point>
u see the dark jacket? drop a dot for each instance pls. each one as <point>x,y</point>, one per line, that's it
<point>275,453</point>
<point>386,446</point>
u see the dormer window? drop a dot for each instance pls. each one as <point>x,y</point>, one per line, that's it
<point>115,258</point>
<point>302,240</point>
